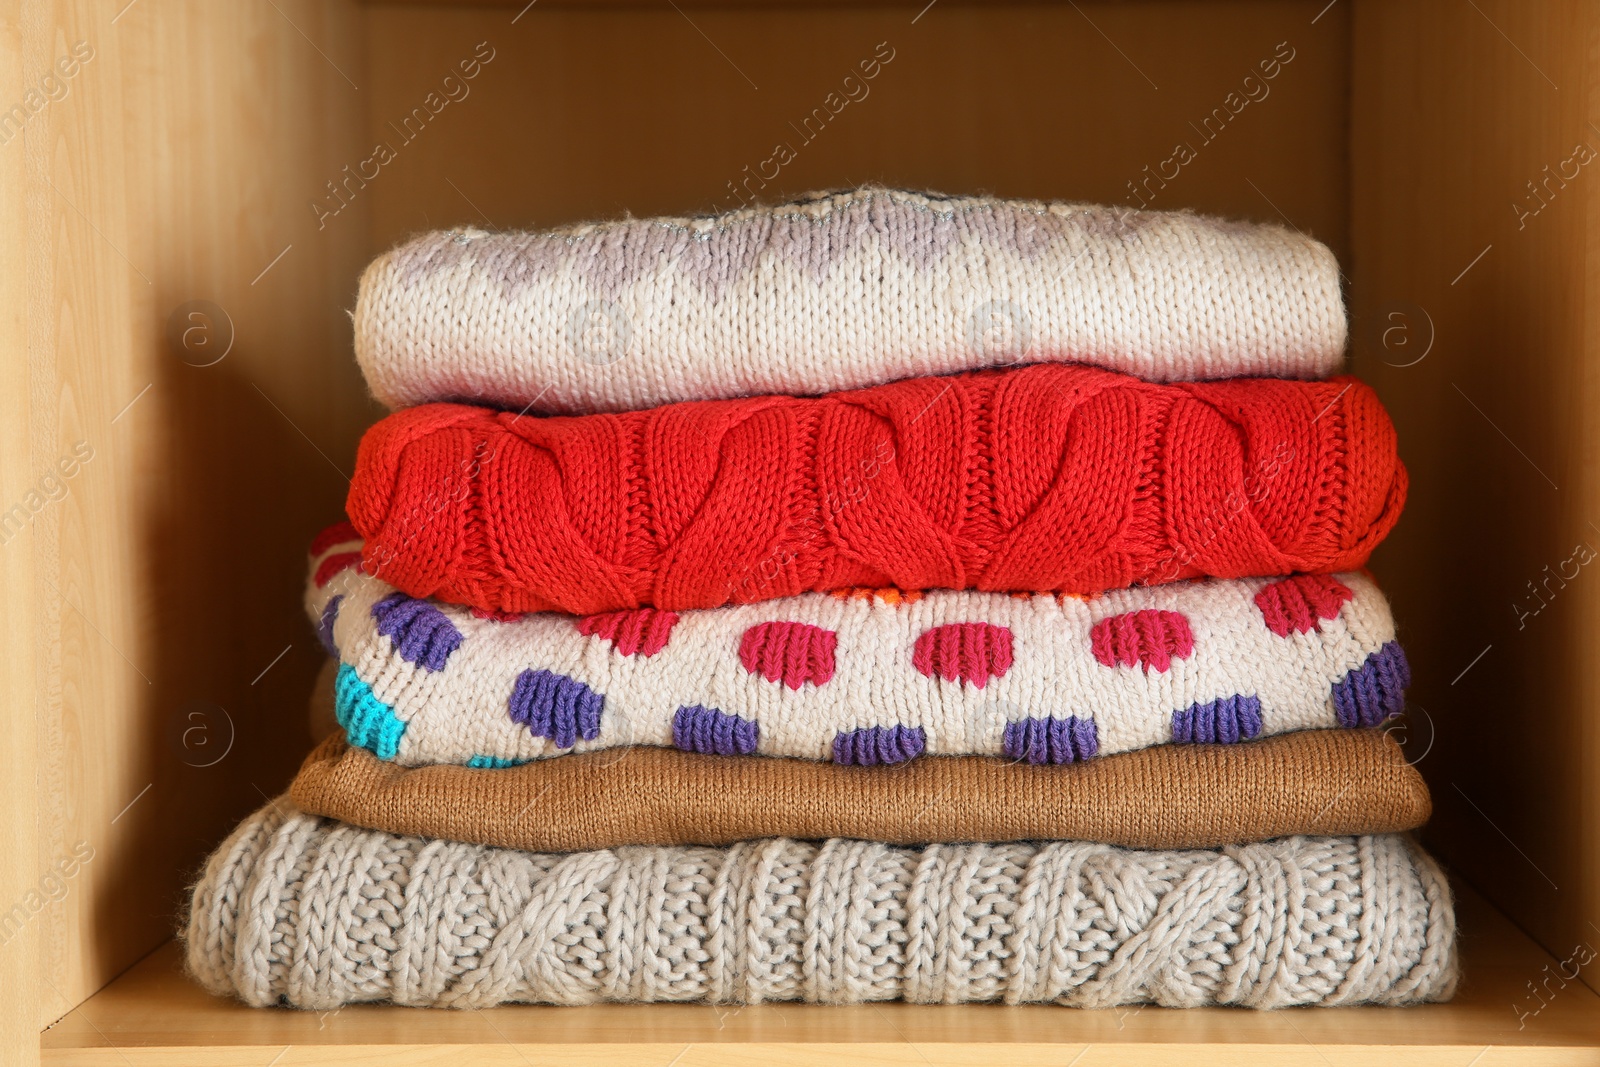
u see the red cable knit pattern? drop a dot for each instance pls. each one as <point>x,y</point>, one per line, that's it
<point>1050,477</point>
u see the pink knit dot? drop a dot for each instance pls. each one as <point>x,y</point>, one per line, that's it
<point>789,652</point>
<point>1149,638</point>
<point>638,631</point>
<point>333,564</point>
<point>337,534</point>
<point>1299,604</point>
<point>971,652</point>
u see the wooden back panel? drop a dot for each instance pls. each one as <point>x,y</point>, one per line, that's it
<point>592,111</point>
<point>1457,108</point>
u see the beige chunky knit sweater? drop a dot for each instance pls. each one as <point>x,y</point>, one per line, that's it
<point>309,913</point>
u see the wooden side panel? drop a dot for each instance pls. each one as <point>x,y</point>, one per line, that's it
<point>192,405</point>
<point>20,937</point>
<point>1474,226</point>
<point>594,111</point>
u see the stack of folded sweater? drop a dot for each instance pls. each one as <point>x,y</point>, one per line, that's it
<point>878,596</point>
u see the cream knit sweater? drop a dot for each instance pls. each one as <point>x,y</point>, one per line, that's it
<point>834,292</point>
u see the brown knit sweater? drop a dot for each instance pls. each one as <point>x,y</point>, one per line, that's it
<point>1336,782</point>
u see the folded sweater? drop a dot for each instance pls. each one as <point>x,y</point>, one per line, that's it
<point>1047,477</point>
<point>857,676</point>
<point>1166,796</point>
<point>838,291</point>
<point>310,913</point>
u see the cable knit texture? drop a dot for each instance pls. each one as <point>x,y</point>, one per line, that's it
<point>302,911</point>
<point>861,676</point>
<point>836,292</point>
<point>1047,477</point>
<point>1165,796</point>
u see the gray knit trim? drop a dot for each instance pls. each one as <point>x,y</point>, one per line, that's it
<point>307,912</point>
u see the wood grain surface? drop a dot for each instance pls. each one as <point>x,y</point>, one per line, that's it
<point>154,571</point>
<point>595,111</point>
<point>1476,305</point>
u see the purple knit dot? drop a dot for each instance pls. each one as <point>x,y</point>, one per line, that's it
<point>876,745</point>
<point>703,729</point>
<point>555,706</point>
<point>1224,721</point>
<point>1051,740</point>
<point>420,632</point>
<point>330,615</point>
<point>1374,691</point>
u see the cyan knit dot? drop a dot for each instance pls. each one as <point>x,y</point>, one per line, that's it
<point>368,722</point>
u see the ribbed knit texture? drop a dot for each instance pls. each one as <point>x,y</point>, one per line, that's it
<point>305,912</point>
<point>840,291</point>
<point>1165,796</point>
<point>861,676</point>
<point>1047,477</point>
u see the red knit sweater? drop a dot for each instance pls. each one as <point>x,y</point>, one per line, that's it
<point>1041,478</point>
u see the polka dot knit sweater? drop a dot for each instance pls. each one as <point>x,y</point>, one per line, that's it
<point>1048,477</point>
<point>838,291</point>
<point>857,677</point>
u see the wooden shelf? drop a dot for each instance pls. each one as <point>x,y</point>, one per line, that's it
<point>154,1015</point>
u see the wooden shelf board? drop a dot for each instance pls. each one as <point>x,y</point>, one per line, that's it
<point>154,1015</point>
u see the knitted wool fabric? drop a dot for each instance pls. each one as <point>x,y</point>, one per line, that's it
<point>309,913</point>
<point>1166,796</point>
<point>1048,477</point>
<point>838,291</point>
<point>858,677</point>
